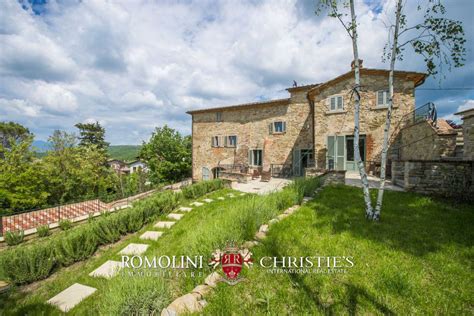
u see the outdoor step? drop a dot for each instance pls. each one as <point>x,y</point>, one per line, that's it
<point>164,224</point>
<point>208,200</point>
<point>71,296</point>
<point>151,235</point>
<point>175,216</point>
<point>134,249</point>
<point>185,209</point>
<point>197,203</point>
<point>107,270</point>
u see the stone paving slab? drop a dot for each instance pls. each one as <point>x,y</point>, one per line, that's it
<point>197,203</point>
<point>107,270</point>
<point>185,209</point>
<point>221,198</point>
<point>71,296</point>
<point>151,235</point>
<point>231,195</point>
<point>175,216</point>
<point>164,224</point>
<point>134,249</point>
<point>208,200</point>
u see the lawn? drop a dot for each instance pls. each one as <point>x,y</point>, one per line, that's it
<point>417,260</point>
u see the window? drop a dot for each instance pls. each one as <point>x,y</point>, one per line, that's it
<point>278,127</point>
<point>231,141</point>
<point>219,117</point>
<point>255,157</point>
<point>215,141</point>
<point>382,98</point>
<point>336,103</point>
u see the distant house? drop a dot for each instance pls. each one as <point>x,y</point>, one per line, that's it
<point>119,166</point>
<point>136,165</point>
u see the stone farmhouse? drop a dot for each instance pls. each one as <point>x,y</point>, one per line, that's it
<point>313,129</point>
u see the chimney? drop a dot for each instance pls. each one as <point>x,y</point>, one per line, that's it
<point>353,64</point>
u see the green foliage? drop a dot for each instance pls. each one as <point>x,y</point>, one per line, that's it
<point>82,241</point>
<point>65,224</point>
<point>124,152</point>
<point>136,296</point>
<point>13,238</point>
<point>77,245</point>
<point>305,187</point>
<point>92,134</point>
<point>23,182</point>
<point>43,231</point>
<point>27,264</point>
<point>199,189</point>
<point>12,133</point>
<point>168,155</point>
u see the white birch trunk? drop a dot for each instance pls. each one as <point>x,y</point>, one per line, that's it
<point>360,164</point>
<point>388,121</point>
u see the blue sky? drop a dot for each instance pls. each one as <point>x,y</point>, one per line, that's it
<point>135,65</point>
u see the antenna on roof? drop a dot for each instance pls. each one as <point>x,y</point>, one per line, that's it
<point>295,84</point>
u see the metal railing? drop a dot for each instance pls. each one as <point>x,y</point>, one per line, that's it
<point>426,112</point>
<point>281,170</point>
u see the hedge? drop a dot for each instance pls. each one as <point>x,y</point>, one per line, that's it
<point>25,264</point>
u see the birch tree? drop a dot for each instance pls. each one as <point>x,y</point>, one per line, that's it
<point>351,29</point>
<point>438,39</point>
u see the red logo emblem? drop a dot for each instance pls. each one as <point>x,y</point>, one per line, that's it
<point>232,260</point>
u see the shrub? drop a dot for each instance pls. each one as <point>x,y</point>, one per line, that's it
<point>199,189</point>
<point>65,224</point>
<point>28,264</point>
<point>109,229</point>
<point>13,238</point>
<point>77,245</point>
<point>43,231</point>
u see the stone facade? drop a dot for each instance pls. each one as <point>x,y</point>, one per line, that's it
<point>423,141</point>
<point>372,117</point>
<point>251,126</point>
<point>468,133</point>
<point>307,104</point>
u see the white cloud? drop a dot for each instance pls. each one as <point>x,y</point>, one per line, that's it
<point>469,104</point>
<point>137,65</point>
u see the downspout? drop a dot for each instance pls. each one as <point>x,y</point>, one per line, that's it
<point>311,111</point>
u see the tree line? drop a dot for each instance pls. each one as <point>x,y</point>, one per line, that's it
<point>76,168</point>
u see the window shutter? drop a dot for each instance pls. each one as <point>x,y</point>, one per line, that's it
<point>213,141</point>
<point>235,141</point>
<point>328,103</point>
<point>250,157</point>
<point>270,128</point>
<point>342,101</point>
<point>284,127</point>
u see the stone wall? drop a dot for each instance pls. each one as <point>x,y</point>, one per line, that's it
<point>468,136</point>
<point>446,178</point>
<point>422,141</point>
<point>327,176</point>
<point>372,118</point>
<point>251,126</point>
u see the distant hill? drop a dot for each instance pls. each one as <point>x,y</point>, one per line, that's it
<point>124,152</point>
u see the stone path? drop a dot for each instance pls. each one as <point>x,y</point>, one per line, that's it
<point>134,249</point>
<point>151,235</point>
<point>71,296</point>
<point>175,216</point>
<point>164,224</point>
<point>74,294</point>
<point>107,270</point>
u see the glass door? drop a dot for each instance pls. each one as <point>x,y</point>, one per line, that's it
<point>336,153</point>
<point>350,157</point>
